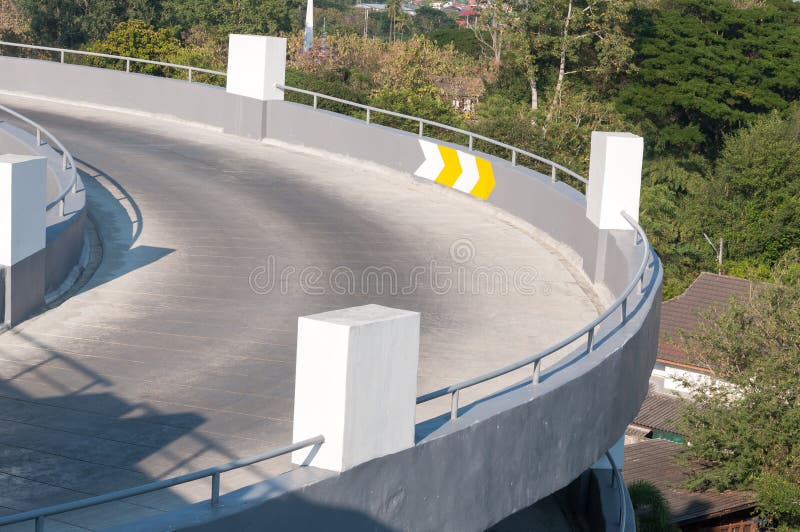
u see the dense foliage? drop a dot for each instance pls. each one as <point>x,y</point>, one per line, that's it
<point>707,67</point>
<point>746,430</point>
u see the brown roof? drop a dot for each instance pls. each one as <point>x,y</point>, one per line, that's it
<point>709,293</point>
<point>659,412</point>
<point>657,462</point>
<point>461,86</point>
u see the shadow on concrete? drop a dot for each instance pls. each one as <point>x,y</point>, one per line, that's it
<point>119,223</point>
<point>66,436</point>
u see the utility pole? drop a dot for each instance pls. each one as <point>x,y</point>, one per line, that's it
<point>717,250</point>
<point>308,40</point>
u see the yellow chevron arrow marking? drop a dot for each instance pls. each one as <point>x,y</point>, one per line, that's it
<point>483,188</point>
<point>452,168</point>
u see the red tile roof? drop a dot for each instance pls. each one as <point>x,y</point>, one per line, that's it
<point>709,293</point>
<point>658,462</point>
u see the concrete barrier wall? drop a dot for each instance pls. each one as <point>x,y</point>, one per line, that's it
<point>65,243</point>
<point>555,208</point>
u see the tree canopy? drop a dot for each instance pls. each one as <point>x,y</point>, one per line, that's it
<point>746,429</point>
<point>707,67</point>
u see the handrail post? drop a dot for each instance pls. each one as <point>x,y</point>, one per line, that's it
<point>127,65</point>
<point>590,340</point>
<point>62,56</point>
<point>190,75</point>
<point>553,175</point>
<point>624,308</point>
<point>215,489</point>
<point>421,125</point>
<point>315,101</point>
<point>470,142</point>
<point>537,372</point>
<point>40,524</point>
<point>513,157</point>
<point>61,206</point>
<point>38,137</point>
<point>454,405</point>
<point>368,115</point>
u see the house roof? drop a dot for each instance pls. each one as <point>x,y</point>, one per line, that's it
<point>709,293</point>
<point>659,412</point>
<point>658,462</point>
<point>461,86</point>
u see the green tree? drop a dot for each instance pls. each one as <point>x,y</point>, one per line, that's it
<point>754,195</point>
<point>136,39</point>
<point>706,67</point>
<point>746,430</point>
<point>71,23</point>
<point>426,20</point>
<point>263,17</point>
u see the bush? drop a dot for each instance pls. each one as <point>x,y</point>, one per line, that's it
<point>651,508</point>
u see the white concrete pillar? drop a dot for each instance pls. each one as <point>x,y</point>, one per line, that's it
<point>356,384</point>
<point>23,189</point>
<point>255,64</point>
<point>615,179</point>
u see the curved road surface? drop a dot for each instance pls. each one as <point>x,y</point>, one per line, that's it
<point>178,353</point>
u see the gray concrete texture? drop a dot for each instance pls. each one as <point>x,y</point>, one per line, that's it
<point>168,361</point>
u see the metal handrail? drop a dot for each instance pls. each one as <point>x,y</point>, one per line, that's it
<point>214,472</point>
<point>128,60</point>
<point>67,162</point>
<point>620,303</point>
<point>555,167</point>
<point>617,476</point>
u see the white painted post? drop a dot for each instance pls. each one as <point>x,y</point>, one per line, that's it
<point>255,65</point>
<point>356,384</point>
<point>23,189</point>
<point>615,179</point>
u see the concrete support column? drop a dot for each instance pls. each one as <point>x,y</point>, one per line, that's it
<point>615,179</point>
<point>23,189</point>
<point>356,384</point>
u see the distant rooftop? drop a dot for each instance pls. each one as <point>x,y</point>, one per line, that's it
<point>659,412</point>
<point>708,294</point>
<point>659,462</point>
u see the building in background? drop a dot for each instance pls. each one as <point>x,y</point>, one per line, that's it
<point>682,315</point>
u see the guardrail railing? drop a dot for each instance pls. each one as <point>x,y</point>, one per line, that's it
<point>67,162</point>
<point>422,122</point>
<point>63,52</point>
<point>40,514</point>
<point>589,330</point>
